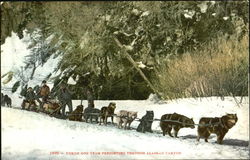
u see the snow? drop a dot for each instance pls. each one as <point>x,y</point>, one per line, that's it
<point>146,13</point>
<point>13,53</point>
<point>71,81</point>
<point>212,2</point>
<point>168,38</point>
<point>29,135</point>
<point>189,14</point>
<point>136,12</point>
<point>86,74</point>
<point>140,64</point>
<point>84,40</point>
<point>154,98</point>
<point>49,39</point>
<point>116,32</point>
<point>128,47</point>
<point>43,71</point>
<point>203,7</point>
<point>107,17</point>
<point>226,18</point>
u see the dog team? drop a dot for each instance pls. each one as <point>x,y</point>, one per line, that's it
<point>168,122</point>
<point>207,125</point>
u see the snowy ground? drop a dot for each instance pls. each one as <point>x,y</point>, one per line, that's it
<point>29,135</point>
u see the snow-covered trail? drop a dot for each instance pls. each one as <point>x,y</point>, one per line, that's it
<point>29,135</point>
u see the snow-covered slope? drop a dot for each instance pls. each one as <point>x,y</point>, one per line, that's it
<point>14,53</point>
<point>29,135</point>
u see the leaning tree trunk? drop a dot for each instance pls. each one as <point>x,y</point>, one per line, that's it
<point>131,60</point>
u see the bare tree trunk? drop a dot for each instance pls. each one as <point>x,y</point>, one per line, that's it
<point>131,60</point>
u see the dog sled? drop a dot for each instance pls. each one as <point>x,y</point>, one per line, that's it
<point>52,107</point>
<point>30,105</point>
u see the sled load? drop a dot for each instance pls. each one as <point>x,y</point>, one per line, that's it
<point>52,107</point>
<point>30,105</point>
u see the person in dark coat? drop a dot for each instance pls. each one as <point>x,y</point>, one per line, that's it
<point>64,96</point>
<point>43,93</point>
<point>30,97</point>
<point>89,95</point>
<point>90,98</point>
<point>87,91</point>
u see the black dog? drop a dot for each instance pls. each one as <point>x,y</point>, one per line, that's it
<point>146,122</point>
<point>7,100</point>
<point>91,113</point>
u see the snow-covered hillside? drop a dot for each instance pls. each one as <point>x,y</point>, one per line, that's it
<point>14,54</point>
<point>29,135</point>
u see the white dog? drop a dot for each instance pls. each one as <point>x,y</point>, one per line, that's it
<point>125,117</point>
